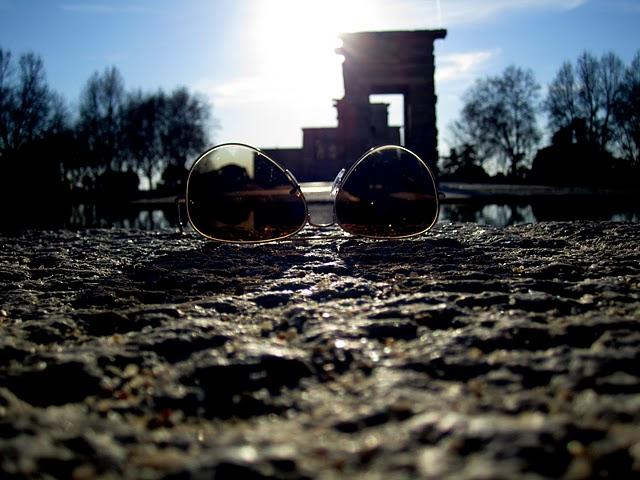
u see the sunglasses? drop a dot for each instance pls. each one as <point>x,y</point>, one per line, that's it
<point>235,193</point>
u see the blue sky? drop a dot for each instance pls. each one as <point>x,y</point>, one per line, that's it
<point>268,66</point>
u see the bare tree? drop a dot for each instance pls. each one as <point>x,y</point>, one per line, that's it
<point>33,122</point>
<point>27,105</point>
<point>627,113</point>
<point>164,130</point>
<point>586,94</point>
<point>143,133</point>
<point>612,72</point>
<point>499,118</point>
<point>100,121</point>
<point>186,118</point>
<point>6,99</point>
<point>34,100</point>
<point>561,101</point>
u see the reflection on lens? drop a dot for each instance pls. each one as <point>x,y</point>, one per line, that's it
<point>388,193</point>
<point>236,193</point>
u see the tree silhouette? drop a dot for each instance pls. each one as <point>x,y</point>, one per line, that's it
<point>586,93</point>
<point>47,161</point>
<point>463,165</point>
<point>33,120</point>
<point>6,101</point>
<point>164,131</point>
<point>28,108</point>
<point>186,118</point>
<point>186,123</point>
<point>626,113</point>
<point>143,133</point>
<point>498,118</point>
<point>100,121</point>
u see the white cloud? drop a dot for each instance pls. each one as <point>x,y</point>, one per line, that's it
<point>469,11</point>
<point>462,66</point>
<point>447,13</point>
<point>455,73</point>
<point>269,110</point>
<point>274,89</point>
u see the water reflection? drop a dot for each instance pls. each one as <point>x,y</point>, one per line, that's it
<point>492,214</point>
<point>132,216</point>
<point>505,214</point>
<point>164,216</point>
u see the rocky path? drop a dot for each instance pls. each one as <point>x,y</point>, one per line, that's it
<point>472,352</point>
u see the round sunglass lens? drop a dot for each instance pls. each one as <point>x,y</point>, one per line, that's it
<point>389,192</point>
<point>235,193</point>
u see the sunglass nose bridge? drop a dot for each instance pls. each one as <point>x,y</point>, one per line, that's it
<point>335,188</point>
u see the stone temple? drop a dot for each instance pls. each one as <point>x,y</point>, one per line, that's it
<point>400,62</point>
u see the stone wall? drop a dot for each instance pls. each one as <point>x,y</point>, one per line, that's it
<point>471,352</point>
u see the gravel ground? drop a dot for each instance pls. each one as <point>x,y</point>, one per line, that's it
<point>471,352</point>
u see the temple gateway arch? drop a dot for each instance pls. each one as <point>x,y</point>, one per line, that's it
<point>396,62</point>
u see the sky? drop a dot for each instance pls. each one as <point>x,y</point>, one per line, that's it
<point>268,67</point>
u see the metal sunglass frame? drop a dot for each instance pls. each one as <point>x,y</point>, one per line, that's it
<point>182,202</point>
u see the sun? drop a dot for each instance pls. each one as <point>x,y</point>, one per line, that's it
<point>295,40</point>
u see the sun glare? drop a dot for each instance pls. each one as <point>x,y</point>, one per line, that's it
<point>294,43</point>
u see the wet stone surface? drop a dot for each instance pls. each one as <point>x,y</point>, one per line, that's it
<point>472,352</point>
